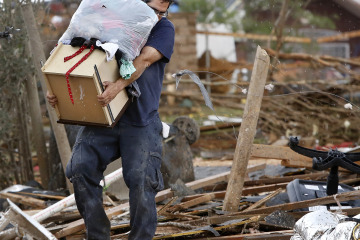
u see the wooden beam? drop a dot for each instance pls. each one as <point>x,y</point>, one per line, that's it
<point>312,176</point>
<point>247,130</point>
<point>340,37</point>
<point>259,37</point>
<point>185,205</point>
<point>347,196</point>
<point>296,163</point>
<point>219,228</point>
<point>264,235</point>
<point>219,126</point>
<point>41,195</point>
<point>27,201</point>
<point>246,191</point>
<point>264,200</point>
<point>276,152</point>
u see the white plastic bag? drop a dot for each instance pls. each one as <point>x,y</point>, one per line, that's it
<point>126,23</point>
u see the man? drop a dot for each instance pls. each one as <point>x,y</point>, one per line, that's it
<point>136,139</point>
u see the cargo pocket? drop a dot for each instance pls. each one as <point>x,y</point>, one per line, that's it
<point>154,179</point>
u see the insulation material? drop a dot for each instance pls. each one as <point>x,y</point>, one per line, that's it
<point>325,225</point>
<point>126,23</point>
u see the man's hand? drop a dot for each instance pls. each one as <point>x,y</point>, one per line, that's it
<point>52,99</point>
<point>111,90</point>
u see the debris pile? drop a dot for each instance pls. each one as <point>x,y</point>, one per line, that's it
<point>194,210</point>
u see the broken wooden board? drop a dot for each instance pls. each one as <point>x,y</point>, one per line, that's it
<point>276,235</point>
<point>196,232</point>
<point>346,196</point>
<point>289,157</point>
<point>27,201</point>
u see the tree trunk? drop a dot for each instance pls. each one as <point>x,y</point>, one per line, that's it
<point>37,129</point>
<point>23,143</point>
<point>38,56</point>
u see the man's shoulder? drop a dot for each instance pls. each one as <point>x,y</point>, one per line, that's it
<point>164,22</point>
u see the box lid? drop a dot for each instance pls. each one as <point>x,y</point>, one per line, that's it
<point>56,65</point>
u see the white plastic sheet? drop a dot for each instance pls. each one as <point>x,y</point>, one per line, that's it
<point>126,23</point>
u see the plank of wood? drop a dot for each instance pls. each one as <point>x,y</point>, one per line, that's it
<point>202,199</point>
<point>347,196</point>
<point>296,163</point>
<point>27,201</point>
<point>312,176</point>
<point>247,131</point>
<point>219,126</point>
<point>265,235</point>
<point>268,181</point>
<point>277,152</point>
<point>195,232</point>
<point>165,194</point>
<point>339,37</point>
<point>259,37</point>
<point>41,195</point>
<point>264,200</point>
<point>246,191</point>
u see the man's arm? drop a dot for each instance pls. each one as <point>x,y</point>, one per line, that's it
<point>148,56</point>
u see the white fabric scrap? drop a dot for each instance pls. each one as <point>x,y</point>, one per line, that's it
<point>244,90</point>
<point>269,87</point>
<point>109,48</point>
<point>348,106</point>
<point>165,130</point>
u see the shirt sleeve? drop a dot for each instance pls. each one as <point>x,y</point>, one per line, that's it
<point>162,38</point>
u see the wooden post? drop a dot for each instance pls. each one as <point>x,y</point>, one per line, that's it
<point>38,55</point>
<point>247,131</point>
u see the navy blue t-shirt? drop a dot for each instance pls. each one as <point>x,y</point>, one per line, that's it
<point>142,110</point>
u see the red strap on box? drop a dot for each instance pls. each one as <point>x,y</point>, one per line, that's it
<point>75,54</point>
<point>75,66</point>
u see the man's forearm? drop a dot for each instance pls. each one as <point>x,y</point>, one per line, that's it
<point>140,68</point>
<point>148,56</point>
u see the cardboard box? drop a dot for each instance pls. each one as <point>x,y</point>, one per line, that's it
<point>86,83</point>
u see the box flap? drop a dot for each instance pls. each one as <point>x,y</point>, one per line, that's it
<point>56,65</point>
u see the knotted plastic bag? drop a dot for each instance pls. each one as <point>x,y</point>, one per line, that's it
<point>126,23</point>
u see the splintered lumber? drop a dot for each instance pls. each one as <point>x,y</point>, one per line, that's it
<point>195,232</point>
<point>167,206</point>
<point>246,191</point>
<point>165,194</point>
<point>219,126</point>
<point>27,201</point>
<point>312,176</point>
<point>205,198</point>
<point>339,37</point>
<point>277,152</point>
<point>309,57</point>
<point>247,130</point>
<point>42,195</point>
<point>264,200</point>
<point>275,180</point>
<point>259,37</point>
<point>276,235</point>
<point>296,163</point>
<point>66,202</point>
<point>346,196</point>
